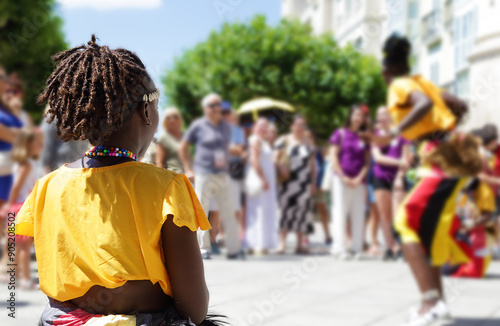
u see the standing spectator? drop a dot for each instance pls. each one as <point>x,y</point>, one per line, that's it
<point>319,197</point>
<point>261,209</point>
<point>27,170</point>
<point>10,120</point>
<point>391,163</point>
<point>489,133</point>
<point>236,160</point>
<point>297,170</point>
<point>56,152</point>
<point>211,137</point>
<point>373,221</point>
<point>273,133</point>
<point>350,162</point>
<point>167,147</point>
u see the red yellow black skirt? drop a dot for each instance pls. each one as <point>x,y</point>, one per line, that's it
<point>427,217</point>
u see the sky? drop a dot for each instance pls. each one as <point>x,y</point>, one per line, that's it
<point>157,30</point>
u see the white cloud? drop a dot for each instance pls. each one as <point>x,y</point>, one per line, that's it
<point>110,4</point>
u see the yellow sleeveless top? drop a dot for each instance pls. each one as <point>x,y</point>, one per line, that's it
<point>102,226</point>
<point>439,118</point>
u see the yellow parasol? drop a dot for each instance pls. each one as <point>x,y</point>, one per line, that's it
<point>255,106</point>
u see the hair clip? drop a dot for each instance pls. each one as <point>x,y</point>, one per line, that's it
<point>151,96</point>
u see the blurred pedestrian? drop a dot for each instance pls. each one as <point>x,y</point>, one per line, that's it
<point>391,164</point>
<point>11,120</point>
<point>350,161</point>
<point>476,230</point>
<point>237,159</point>
<point>273,133</point>
<point>489,134</point>
<point>319,197</point>
<point>297,174</point>
<point>261,208</point>
<point>167,147</point>
<point>211,136</point>
<point>27,170</point>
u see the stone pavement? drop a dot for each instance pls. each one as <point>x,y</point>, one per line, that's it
<point>314,290</point>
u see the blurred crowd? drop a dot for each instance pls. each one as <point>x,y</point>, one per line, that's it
<point>257,186</point>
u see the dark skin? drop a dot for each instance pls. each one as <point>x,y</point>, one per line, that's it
<point>419,104</point>
<point>180,246</point>
<point>428,277</point>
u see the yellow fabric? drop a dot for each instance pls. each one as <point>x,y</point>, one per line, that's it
<point>444,248</point>
<point>102,226</point>
<point>484,197</point>
<point>438,118</point>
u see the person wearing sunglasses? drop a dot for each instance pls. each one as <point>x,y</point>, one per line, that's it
<point>167,147</point>
<point>211,136</point>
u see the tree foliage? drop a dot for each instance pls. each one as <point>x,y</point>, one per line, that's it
<point>286,62</point>
<point>30,33</point>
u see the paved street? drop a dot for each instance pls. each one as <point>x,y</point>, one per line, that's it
<point>316,290</point>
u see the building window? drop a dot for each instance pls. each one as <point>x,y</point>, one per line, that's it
<point>348,7</point>
<point>435,48</point>
<point>435,73</point>
<point>462,84</point>
<point>464,36</point>
<point>358,44</point>
<point>413,10</point>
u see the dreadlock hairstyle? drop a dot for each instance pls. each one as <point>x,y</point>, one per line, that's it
<point>396,51</point>
<point>93,90</point>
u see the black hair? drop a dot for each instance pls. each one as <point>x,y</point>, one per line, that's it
<point>92,91</point>
<point>396,53</point>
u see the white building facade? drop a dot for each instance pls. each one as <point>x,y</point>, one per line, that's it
<point>456,43</point>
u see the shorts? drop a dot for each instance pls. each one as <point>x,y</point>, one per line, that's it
<point>427,216</point>
<point>5,186</point>
<point>371,194</point>
<point>382,183</point>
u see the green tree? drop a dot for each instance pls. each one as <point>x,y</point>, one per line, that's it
<point>30,33</point>
<point>286,62</point>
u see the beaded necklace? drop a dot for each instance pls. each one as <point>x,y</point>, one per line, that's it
<point>109,151</point>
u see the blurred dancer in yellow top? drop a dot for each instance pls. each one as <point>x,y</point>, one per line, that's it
<point>424,114</point>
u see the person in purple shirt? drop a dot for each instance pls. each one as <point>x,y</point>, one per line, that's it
<point>350,161</point>
<point>391,163</point>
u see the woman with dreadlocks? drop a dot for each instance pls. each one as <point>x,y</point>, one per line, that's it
<point>424,114</point>
<point>115,238</point>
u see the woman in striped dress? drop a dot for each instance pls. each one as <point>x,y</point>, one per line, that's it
<point>295,192</point>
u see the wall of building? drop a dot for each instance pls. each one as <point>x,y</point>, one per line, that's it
<point>456,43</point>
